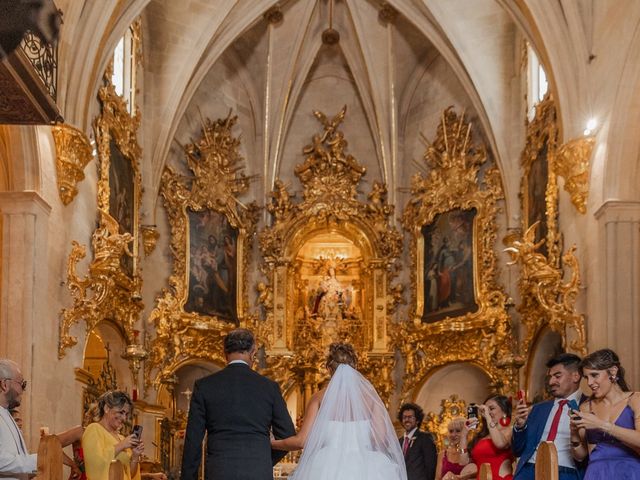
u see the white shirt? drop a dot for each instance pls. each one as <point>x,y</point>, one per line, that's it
<point>563,438</point>
<point>15,461</point>
<point>238,361</point>
<point>410,434</point>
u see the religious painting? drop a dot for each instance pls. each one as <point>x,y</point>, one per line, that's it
<point>121,196</point>
<point>212,266</point>
<point>536,203</point>
<point>448,265</point>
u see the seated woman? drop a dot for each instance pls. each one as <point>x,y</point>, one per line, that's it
<point>492,444</point>
<point>453,458</point>
<point>607,428</point>
<point>102,441</point>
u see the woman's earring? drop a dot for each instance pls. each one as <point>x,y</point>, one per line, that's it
<point>505,421</point>
<point>613,378</point>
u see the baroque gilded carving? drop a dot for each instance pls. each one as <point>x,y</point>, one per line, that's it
<point>436,424</point>
<point>457,179</point>
<point>572,163</point>
<point>186,326</point>
<point>150,236</point>
<point>545,299</point>
<point>542,287</point>
<point>111,288</point>
<point>354,298</point>
<point>73,152</point>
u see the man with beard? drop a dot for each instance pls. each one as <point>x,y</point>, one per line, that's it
<point>420,455</point>
<point>15,461</point>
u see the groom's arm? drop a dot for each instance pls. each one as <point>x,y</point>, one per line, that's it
<point>281,423</point>
<point>192,452</point>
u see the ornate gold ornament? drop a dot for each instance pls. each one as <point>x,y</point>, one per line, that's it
<point>73,152</point>
<point>572,163</point>
<point>150,236</point>
<point>542,289</point>
<point>312,299</point>
<point>452,407</point>
<point>545,299</point>
<point>111,289</point>
<point>457,180</point>
<point>212,190</point>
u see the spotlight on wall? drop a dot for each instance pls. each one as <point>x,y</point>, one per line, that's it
<point>592,124</point>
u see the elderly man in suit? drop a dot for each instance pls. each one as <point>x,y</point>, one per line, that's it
<point>549,421</point>
<point>419,450</point>
<point>238,408</point>
<point>15,460</point>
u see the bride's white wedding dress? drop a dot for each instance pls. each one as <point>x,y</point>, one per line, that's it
<point>352,437</point>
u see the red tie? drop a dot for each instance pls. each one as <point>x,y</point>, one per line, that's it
<point>405,445</point>
<point>556,420</point>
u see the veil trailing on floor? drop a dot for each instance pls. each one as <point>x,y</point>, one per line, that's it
<point>352,437</point>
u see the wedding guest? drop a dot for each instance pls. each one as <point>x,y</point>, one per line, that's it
<point>102,442</point>
<point>533,425</point>
<point>492,444</point>
<point>455,456</point>
<point>607,426</point>
<point>419,450</point>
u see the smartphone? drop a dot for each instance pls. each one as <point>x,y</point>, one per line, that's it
<point>137,431</point>
<point>472,412</point>
<point>521,396</point>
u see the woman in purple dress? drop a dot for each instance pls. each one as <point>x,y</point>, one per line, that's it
<point>606,429</point>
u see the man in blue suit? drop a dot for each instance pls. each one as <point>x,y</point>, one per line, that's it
<point>549,421</point>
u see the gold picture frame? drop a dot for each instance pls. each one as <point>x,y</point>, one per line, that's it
<point>185,328</point>
<point>457,181</point>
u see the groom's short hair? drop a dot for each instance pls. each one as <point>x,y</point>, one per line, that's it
<point>238,340</point>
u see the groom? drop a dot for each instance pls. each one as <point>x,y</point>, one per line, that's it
<point>238,408</point>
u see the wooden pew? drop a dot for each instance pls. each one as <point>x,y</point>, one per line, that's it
<point>485,472</point>
<point>116,470</point>
<point>547,462</point>
<point>49,458</point>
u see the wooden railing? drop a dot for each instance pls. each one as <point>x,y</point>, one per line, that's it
<point>546,464</point>
<point>49,458</point>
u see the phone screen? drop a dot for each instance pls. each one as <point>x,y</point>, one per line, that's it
<point>137,431</point>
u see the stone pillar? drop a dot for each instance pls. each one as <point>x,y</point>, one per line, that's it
<point>617,322</point>
<point>24,274</point>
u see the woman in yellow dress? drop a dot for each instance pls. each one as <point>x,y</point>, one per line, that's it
<point>102,442</point>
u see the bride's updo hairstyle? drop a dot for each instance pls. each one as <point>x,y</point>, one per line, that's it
<point>341,353</point>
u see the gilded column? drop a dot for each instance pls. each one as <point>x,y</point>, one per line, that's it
<point>618,325</point>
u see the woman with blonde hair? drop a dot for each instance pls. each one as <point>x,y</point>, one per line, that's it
<point>346,433</point>
<point>455,456</point>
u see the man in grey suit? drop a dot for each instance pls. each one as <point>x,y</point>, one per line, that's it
<point>238,408</point>
<point>15,460</point>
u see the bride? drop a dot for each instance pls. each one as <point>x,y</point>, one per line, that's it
<point>346,433</point>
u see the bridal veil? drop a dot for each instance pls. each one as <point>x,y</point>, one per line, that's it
<point>352,437</point>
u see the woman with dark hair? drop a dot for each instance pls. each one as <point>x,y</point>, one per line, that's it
<point>606,427</point>
<point>102,442</point>
<point>492,444</point>
<point>346,432</point>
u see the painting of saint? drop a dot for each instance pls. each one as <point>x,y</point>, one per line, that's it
<point>212,266</point>
<point>448,265</point>
<point>121,196</point>
<point>536,195</point>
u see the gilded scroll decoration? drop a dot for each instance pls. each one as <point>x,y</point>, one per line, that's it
<point>545,299</point>
<point>211,234</point>
<point>329,262</point>
<point>543,282</point>
<point>150,236</point>
<point>111,287</point>
<point>459,186</point>
<point>73,153</point>
<point>451,408</point>
<point>572,163</point>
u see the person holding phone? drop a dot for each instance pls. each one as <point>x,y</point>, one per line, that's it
<point>549,420</point>
<point>607,427</point>
<point>492,444</point>
<point>102,441</point>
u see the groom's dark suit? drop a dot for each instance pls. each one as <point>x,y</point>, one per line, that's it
<point>237,407</point>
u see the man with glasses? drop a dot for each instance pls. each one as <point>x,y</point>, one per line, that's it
<point>419,451</point>
<point>15,461</point>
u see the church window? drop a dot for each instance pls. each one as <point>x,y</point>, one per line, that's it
<point>124,67</point>
<point>537,84</point>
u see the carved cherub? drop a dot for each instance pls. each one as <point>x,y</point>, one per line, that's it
<point>281,204</point>
<point>265,296</point>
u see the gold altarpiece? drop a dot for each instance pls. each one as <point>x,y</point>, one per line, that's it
<point>329,260</point>
<point>203,199</point>
<point>459,179</point>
